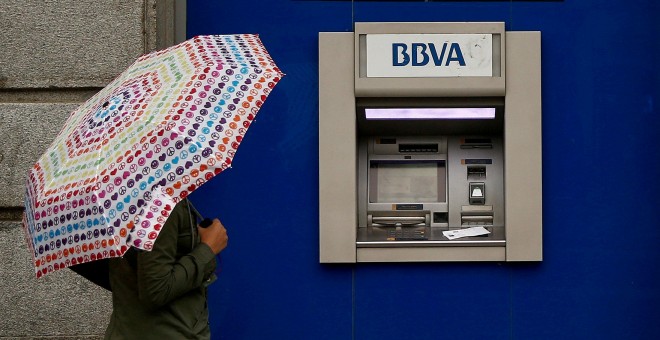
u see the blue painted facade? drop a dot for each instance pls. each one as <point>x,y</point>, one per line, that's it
<point>600,278</point>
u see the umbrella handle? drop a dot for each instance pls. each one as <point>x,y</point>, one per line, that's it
<point>206,222</point>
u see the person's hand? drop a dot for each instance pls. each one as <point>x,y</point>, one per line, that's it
<point>214,236</point>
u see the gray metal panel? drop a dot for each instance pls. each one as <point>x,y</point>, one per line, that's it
<point>337,149</point>
<point>431,254</point>
<point>430,87</point>
<point>522,130</point>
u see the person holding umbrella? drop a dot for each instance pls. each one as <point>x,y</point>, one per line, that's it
<point>112,188</point>
<point>161,294</point>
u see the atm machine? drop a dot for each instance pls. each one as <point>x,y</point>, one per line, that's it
<point>429,143</point>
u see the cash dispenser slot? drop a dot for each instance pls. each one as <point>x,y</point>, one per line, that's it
<point>383,227</point>
<point>399,219</point>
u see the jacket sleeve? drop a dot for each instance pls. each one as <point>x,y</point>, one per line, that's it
<point>161,276</point>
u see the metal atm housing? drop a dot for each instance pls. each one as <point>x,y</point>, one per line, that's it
<point>403,159</point>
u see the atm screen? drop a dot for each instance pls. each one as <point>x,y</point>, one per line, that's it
<point>407,181</point>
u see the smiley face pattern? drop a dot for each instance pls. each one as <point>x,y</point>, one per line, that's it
<point>166,125</point>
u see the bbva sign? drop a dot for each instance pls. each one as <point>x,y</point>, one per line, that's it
<point>429,55</point>
<point>418,54</point>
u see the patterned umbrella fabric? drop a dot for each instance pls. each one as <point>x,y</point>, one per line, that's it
<point>166,125</point>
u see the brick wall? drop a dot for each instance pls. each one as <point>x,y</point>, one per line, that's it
<point>53,56</point>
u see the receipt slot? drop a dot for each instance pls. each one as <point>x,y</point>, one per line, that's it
<point>429,143</point>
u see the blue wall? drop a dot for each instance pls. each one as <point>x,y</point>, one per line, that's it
<point>600,277</point>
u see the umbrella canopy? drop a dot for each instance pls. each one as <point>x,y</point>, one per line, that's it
<point>169,123</point>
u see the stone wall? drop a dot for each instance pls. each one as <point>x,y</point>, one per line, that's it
<point>53,56</point>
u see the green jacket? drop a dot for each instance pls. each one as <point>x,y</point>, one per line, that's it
<point>161,294</point>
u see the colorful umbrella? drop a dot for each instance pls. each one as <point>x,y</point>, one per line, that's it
<point>169,123</point>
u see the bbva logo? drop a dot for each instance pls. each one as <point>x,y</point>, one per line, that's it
<point>418,54</point>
